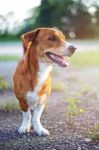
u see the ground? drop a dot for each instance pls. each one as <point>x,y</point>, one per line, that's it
<point>67,132</point>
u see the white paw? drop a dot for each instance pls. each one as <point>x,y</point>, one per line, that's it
<point>42,132</point>
<point>24,129</point>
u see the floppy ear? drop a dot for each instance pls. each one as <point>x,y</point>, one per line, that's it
<point>29,37</point>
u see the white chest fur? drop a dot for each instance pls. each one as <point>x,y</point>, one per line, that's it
<point>44,70</point>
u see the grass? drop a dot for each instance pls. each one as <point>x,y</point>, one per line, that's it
<point>73,109</point>
<point>3,83</point>
<point>86,88</point>
<point>60,86</point>
<point>94,133</point>
<point>9,58</point>
<point>9,106</point>
<point>84,59</point>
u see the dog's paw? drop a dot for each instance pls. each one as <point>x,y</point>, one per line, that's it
<point>24,129</point>
<point>42,132</point>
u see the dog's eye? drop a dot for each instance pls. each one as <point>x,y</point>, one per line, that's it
<point>52,38</point>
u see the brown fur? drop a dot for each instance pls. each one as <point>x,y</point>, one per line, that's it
<point>25,77</point>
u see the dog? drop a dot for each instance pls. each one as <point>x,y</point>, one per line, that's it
<point>32,79</point>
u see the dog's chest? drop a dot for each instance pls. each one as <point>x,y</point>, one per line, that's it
<point>44,70</point>
<point>43,74</point>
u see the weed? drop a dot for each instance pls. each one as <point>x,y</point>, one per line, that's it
<point>86,89</point>
<point>94,133</point>
<point>73,109</point>
<point>9,106</point>
<point>3,83</point>
<point>60,86</point>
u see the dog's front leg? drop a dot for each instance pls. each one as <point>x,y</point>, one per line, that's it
<point>38,128</point>
<point>26,123</point>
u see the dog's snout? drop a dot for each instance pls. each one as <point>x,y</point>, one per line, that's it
<point>72,48</point>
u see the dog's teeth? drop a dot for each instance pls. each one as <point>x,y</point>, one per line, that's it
<point>52,56</point>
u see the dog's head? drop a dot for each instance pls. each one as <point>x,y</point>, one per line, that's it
<point>49,44</point>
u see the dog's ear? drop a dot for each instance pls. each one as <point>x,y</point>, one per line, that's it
<point>29,37</point>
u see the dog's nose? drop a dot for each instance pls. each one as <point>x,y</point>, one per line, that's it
<point>72,48</point>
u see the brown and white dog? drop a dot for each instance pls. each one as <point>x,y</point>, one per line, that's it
<point>32,78</point>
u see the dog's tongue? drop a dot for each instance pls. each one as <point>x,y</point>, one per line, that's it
<point>57,59</point>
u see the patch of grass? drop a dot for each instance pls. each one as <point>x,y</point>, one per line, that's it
<point>9,106</point>
<point>3,83</point>
<point>9,58</point>
<point>73,109</point>
<point>94,134</point>
<point>83,59</point>
<point>60,86</point>
<point>86,89</point>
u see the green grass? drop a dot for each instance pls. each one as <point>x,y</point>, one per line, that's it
<point>3,83</point>
<point>60,86</point>
<point>9,58</point>
<point>94,133</point>
<point>9,106</point>
<point>84,59</point>
<point>73,109</point>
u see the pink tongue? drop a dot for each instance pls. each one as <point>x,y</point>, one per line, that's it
<point>57,59</point>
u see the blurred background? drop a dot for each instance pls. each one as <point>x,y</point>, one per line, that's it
<point>78,19</point>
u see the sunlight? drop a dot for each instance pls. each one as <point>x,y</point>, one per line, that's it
<point>18,7</point>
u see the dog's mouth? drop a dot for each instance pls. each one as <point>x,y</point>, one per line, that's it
<point>59,60</point>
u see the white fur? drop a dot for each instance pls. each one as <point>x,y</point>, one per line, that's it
<point>26,123</point>
<point>36,121</point>
<point>64,50</point>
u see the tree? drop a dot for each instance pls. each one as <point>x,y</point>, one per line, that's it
<point>71,16</point>
<point>67,15</point>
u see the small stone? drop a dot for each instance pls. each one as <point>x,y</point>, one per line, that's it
<point>87,139</point>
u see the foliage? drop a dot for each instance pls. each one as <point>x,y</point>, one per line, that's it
<point>71,16</point>
<point>9,58</point>
<point>86,89</point>
<point>94,133</point>
<point>60,86</point>
<point>73,109</point>
<point>9,106</point>
<point>3,83</point>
